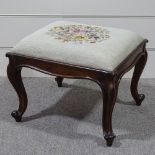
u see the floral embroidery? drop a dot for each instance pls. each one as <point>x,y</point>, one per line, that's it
<point>79,33</point>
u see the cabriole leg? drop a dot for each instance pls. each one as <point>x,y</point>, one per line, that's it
<point>14,76</point>
<point>109,91</point>
<point>136,76</point>
<point>59,80</point>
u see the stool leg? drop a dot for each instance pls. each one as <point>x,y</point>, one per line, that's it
<point>136,76</point>
<point>14,76</point>
<point>59,80</point>
<point>109,91</point>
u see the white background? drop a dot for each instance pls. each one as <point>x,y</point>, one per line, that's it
<point>21,17</point>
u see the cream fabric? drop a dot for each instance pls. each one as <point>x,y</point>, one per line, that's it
<point>104,55</point>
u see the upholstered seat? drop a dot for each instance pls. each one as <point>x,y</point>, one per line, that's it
<point>80,51</point>
<point>80,44</point>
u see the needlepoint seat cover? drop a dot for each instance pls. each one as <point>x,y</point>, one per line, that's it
<point>92,46</point>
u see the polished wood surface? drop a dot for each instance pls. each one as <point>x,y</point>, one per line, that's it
<point>136,76</point>
<point>108,81</point>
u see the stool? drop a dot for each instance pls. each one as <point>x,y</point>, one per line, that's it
<point>74,50</point>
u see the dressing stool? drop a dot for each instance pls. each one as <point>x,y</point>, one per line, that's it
<point>81,51</point>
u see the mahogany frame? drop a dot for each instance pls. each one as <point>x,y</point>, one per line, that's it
<point>108,81</point>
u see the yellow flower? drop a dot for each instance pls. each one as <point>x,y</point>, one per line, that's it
<point>79,37</point>
<point>58,28</point>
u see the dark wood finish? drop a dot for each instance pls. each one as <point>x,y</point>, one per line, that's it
<point>109,91</point>
<point>136,76</point>
<point>108,81</point>
<point>59,80</point>
<point>14,75</point>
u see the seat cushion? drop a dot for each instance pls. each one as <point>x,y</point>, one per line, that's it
<point>73,43</point>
